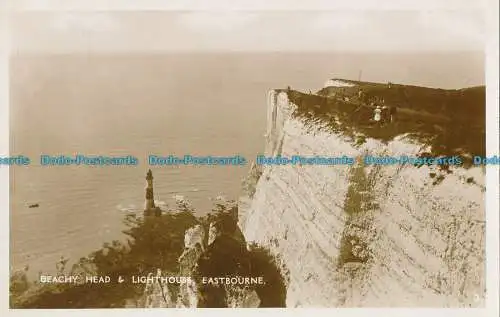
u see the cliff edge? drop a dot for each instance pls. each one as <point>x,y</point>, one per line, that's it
<point>371,235</point>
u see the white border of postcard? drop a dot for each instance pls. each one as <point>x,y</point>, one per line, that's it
<point>489,7</point>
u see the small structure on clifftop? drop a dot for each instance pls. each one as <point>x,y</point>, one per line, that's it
<point>150,208</point>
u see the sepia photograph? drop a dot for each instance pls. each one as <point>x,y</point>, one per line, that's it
<point>247,159</point>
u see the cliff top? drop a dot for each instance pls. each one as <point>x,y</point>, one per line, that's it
<point>452,122</point>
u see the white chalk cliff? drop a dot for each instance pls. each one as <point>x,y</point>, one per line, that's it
<point>365,236</point>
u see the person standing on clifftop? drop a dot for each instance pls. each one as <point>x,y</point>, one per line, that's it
<point>377,114</point>
<point>385,115</point>
<point>392,113</point>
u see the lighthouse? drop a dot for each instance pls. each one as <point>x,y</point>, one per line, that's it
<point>150,208</point>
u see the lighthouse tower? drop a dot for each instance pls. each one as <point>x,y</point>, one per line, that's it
<point>150,208</point>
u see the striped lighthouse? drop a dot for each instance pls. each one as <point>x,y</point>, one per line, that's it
<point>150,208</point>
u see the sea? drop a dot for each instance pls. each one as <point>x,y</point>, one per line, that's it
<point>145,104</point>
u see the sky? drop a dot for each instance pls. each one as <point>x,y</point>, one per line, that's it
<point>248,31</point>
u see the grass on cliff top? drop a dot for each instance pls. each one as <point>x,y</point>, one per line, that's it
<point>452,122</point>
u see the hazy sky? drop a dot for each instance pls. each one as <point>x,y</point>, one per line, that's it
<point>349,30</point>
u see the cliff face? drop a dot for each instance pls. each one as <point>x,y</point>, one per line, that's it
<point>365,236</point>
